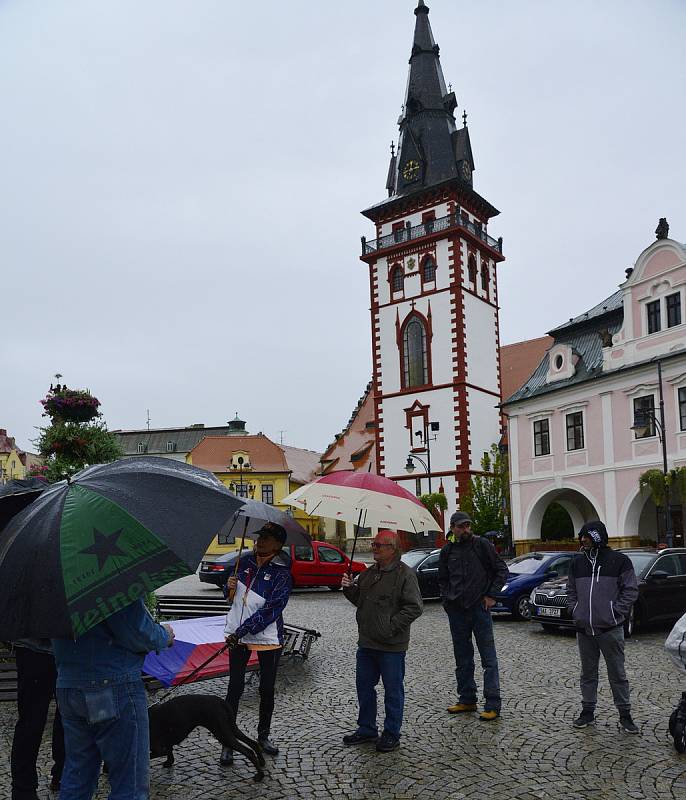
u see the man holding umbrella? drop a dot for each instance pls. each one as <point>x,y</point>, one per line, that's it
<point>260,589</point>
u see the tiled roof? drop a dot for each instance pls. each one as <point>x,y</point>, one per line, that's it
<point>582,333</point>
<point>519,360</point>
<point>302,463</point>
<point>213,453</point>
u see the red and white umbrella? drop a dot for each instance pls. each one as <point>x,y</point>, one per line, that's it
<point>364,498</point>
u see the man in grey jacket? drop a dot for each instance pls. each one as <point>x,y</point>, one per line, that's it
<point>388,601</point>
<point>601,589</point>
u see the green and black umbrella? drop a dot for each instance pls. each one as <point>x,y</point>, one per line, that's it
<point>86,548</point>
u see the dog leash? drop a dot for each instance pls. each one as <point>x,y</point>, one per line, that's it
<point>190,675</point>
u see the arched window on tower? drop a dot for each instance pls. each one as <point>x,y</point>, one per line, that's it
<point>428,269</point>
<point>415,356</point>
<point>397,278</point>
<point>471,268</point>
<point>484,277</point>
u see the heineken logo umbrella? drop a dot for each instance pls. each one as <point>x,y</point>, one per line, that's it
<point>87,548</point>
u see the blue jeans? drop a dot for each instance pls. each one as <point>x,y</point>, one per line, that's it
<point>110,724</point>
<point>390,667</point>
<point>463,623</point>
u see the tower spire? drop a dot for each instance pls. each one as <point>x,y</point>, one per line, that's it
<point>426,153</point>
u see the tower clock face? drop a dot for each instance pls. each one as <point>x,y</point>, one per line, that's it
<point>411,170</point>
<point>465,171</point>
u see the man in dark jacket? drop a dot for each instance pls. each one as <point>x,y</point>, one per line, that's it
<point>388,601</point>
<point>601,589</point>
<point>470,575</point>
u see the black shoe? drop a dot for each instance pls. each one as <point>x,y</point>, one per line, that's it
<point>627,724</point>
<point>387,742</point>
<point>226,759</point>
<point>267,747</point>
<point>359,738</point>
<point>584,719</point>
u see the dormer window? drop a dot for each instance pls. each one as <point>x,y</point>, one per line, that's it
<point>142,447</point>
<point>171,447</point>
<point>673,309</point>
<point>653,313</point>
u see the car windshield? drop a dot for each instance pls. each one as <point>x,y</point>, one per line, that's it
<point>641,561</point>
<point>413,558</point>
<point>525,565</point>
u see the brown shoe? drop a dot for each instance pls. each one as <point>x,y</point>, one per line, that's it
<point>489,716</point>
<point>461,708</point>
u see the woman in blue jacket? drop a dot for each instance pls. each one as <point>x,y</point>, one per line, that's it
<point>261,590</point>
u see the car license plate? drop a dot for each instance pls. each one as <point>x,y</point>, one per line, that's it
<point>549,612</point>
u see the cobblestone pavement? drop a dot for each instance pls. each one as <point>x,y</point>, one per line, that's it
<point>532,752</point>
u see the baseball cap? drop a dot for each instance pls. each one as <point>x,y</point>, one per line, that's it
<point>459,518</point>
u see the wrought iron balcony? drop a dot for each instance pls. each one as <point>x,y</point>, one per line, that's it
<point>408,233</point>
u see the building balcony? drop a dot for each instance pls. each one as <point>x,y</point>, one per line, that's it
<point>409,234</point>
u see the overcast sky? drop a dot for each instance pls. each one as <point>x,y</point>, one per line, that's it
<point>181,182</point>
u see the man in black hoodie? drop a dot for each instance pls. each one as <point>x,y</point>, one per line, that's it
<point>601,590</point>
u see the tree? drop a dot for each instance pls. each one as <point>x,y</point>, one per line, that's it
<point>76,436</point>
<point>488,495</point>
<point>435,503</point>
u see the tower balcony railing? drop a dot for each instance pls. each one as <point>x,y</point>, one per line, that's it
<point>409,233</point>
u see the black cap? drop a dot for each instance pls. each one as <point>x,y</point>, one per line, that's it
<point>459,518</point>
<point>596,532</point>
<point>274,530</point>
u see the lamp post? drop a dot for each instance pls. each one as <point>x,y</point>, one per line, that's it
<point>249,487</point>
<point>642,421</point>
<point>426,440</point>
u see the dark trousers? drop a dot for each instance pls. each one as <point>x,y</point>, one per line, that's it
<point>465,623</point>
<point>269,664</point>
<point>36,676</point>
<point>611,645</point>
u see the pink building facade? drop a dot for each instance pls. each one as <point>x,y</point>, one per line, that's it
<point>569,426</point>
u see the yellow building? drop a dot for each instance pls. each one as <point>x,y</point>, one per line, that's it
<point>14,462</point>
<point>253,466</point>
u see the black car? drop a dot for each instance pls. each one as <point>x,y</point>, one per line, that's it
<point>661,592</point>
<point>424,561</point>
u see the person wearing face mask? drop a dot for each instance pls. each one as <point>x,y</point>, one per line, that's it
<point>260,590</point>
<point>388,601</point>
<point>601,589</point>
<point>470,575</point>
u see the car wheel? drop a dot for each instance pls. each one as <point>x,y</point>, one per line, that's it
<point>521,609</point>
<point>629,624</point>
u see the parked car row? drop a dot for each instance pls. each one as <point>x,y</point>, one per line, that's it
<point>315,564</point>
<point>661,576</point>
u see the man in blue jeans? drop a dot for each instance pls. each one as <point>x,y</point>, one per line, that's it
<point>388,601</point>
<point>470,574</point>
<point>103,704</point>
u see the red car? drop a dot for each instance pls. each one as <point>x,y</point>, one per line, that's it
<point>318,564</point>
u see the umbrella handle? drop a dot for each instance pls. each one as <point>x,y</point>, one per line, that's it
<point>357,531</point>
<point>232,592</point>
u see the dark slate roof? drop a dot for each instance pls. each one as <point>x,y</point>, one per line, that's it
<point>611,303</point>
<point>427,125</point>
<point>185,439</point>
<point>582,333</point>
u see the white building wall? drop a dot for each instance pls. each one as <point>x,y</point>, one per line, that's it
<point>484,425</point>
<point>482,349</point>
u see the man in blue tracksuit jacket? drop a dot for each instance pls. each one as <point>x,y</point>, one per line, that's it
<point>254,623</point>
<point>103,704</point>
<point>601,589</point>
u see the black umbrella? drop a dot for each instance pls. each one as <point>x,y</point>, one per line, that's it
<point>16,494</point>
<point>87,547</point>
<point>251,517</point>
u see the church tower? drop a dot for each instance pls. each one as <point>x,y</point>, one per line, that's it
<point>434,294</point>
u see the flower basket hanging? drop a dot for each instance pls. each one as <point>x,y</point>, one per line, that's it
<point>71,405</point>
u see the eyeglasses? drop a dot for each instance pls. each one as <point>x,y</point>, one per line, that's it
<point>377,545</point>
